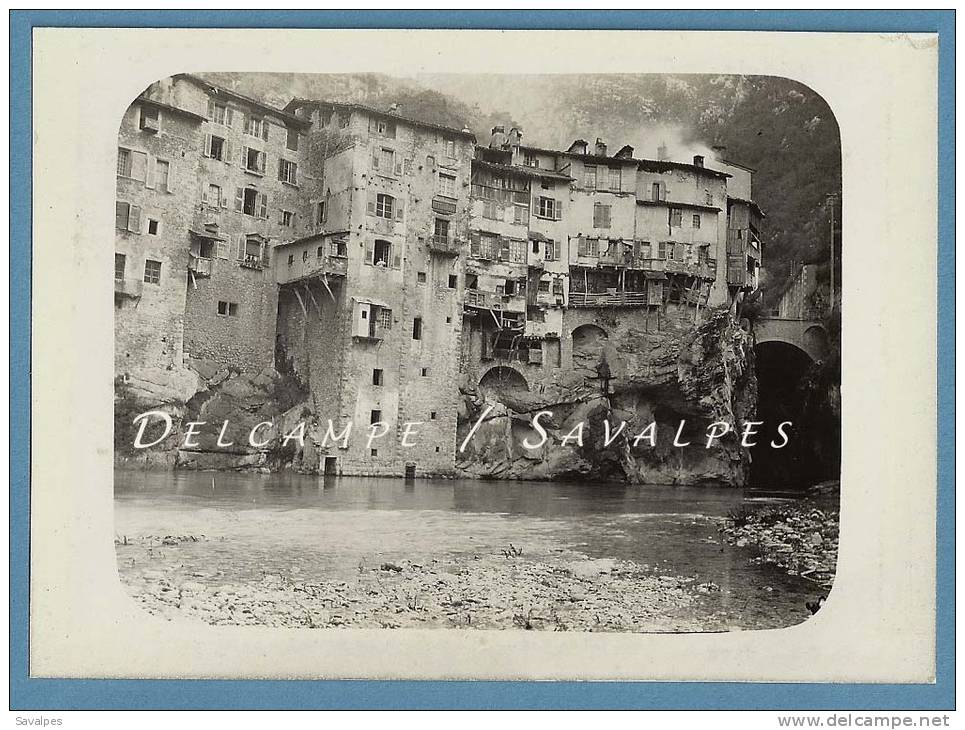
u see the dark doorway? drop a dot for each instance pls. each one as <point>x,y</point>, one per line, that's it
<point>410,471</point>
<point>331,466</point>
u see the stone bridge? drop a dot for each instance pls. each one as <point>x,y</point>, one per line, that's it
<point>808,335</point>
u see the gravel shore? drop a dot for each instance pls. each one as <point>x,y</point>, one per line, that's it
<point>503,591</point>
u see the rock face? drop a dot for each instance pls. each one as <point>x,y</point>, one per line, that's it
<point>208,392</point>
<point>659,380</point>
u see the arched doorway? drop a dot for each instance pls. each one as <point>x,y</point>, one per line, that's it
<point>501,381</point>
<point>589,340</point>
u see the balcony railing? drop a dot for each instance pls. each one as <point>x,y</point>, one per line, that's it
<point>494,300</point>
<point>128,287</point>
<point>608,299</point>
<point>200,266</point>
<point>443,245</point>
<point>253,261</point>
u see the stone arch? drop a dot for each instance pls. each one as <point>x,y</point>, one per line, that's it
<point>589,343</point>
<point>502,380</point>
<point>816,341</point>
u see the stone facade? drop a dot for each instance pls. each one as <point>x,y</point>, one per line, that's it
<point>399,274</point>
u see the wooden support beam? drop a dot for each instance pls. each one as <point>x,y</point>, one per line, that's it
<point>327,287</point>
<point>302,303</point>
<point>314,301</point>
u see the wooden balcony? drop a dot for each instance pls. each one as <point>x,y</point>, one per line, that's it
<point>200,266</point>
<point>443,245</point>
<point>608,299</point>
<point>495,301</point>
<point>300,268</point>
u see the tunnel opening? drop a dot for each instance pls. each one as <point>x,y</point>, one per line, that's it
<point>784,394</point>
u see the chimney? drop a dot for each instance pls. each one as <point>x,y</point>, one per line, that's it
<point>625,153</point>
<point>719,151</point>
<point>698,160</point>
<point>600,148</point>
<point>662,151</point>
<point>515,136</point>
<point>498,140</point>
<point>578,147</point>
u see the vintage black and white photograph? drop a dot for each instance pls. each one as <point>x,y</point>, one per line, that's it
<point>467,351</point>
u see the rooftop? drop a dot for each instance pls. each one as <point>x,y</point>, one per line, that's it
<point>353,106</point>
<point>257,103</point>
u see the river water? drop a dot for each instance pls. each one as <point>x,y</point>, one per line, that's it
<point>206,546</point>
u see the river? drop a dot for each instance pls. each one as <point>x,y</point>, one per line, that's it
<point>292,550</point>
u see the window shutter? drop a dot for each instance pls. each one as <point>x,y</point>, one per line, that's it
<point>121,214</point>
<point>241,247</point>
<point>264,129</point>
<point>262,162</point>
<point>149,182</point>
<point>239,199</point>
<point>474,243</point>
<point>581,246</point>
<point>535,205</point>
<point>172,177</point>
<point>369,252</point>
<point>210,108</point>
<point>244,156</point>
<point>134,221</point>
<point>398,165</point>
<point>207,145</point>
<point>399,209</point>
<point>396,256</point>
<point>226,148</point>
<point>139,166</point>
<point>224,198</point>
<point>281,169</point>
<point>228,117</point>
<point>375,159</point>
<point>247,124</point>
<point>204,192</point>
<point>370,205</point>
<point>263,200</point>
<point>407,167</point>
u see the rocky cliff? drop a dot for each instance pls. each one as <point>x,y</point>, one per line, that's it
<point>698,377</point>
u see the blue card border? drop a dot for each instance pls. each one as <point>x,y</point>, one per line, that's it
<point>82,694</point>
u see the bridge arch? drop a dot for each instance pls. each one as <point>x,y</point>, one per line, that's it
<point>807,335</point>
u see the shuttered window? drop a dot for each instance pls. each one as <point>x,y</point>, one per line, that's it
<point>601,215</point>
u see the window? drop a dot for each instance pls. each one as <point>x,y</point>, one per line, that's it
<point>375,416</point>
<point>517,251</point>
<point>320,252</point>
<point>544,286</point>
<point>228,309</point>
<point>614,178</point>
<point>535,246</point>
<point>250,202</point>
<point>676,217</point>
<point>150,118</point>
<point>163,176</point>
<point>338,247</point>
<point>424,372</point>
<point>589,177</point>
<point>382,253</point>
<point>153,226</point>
<point>417,328</point>
<point>288,219</point>
<point>254,160</point>
<point>384,318</point>
<point>421,277</point>
<point>131,164</point>
<point>256,127</point>
<point>552,250</point>
<point>120,263</point>
<point>212,196</point>
<point>383,160</point>
<point>657,191</point>
<point>374,452</point>
<point>490,210</point>
<point>453,281</point>
<point>696,221</point>
<point>440,231</point>
<point>383,205</point>
<point>217,148</point>
<point>447,185</point>
<point>305,256</point>
<point>521,214</point>
<point>548,208</point>
<point>343,119</point>
<point>287,171</point>
<point>221,249</point>
<point>320,212</point>
<point>291,262</point>
<point>432,417</point>
<point>219,114</point>
<point>450,148</point>
<point>152,271</point>
<point>487,245</point>
<point>588,246</point>
<point>530,160</point>
<point>708,197</point>
<point>292,141</point>
<point>127,217</point>
<point>383,127</point>
<point>377,376</point>
<point>509,288</point>
<point>601,215</point>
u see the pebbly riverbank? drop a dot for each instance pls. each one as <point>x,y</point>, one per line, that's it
<point>799,538</point>
<point>507,590</point>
